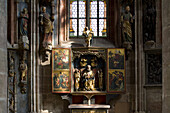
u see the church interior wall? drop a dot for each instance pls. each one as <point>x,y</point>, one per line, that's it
<point>149,97</point>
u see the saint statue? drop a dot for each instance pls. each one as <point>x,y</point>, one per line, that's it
<point>126,21</point>
<point>89,79</point>
<point>100,75</point>
<point>77,79</point>
<point>24,22</point>
<point>23,68</point>
<point>47,28</point>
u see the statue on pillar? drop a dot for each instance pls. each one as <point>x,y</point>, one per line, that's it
<point>126,21</point>
<point>47,28</point>
<point>24,22</point>
<point>23,29</point>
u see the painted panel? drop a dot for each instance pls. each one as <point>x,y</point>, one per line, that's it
<point>116,70</point>
<point>61,70</point>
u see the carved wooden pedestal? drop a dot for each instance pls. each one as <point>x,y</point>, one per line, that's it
<point>93,108</point>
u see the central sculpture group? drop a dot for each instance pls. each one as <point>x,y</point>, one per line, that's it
<point>87,79</point>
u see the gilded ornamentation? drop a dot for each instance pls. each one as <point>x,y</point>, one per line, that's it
<point>83,62</point>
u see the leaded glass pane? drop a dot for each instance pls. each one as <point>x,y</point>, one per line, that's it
<point>82,23</point>
<point>102,27</point>
<point>101,9</point>
<point>93,26</point>
<point>82,10</point>
<point>73,9</point>
<point>93,9</point>
<point>73,27</point>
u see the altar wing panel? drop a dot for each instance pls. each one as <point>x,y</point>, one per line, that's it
<point>61,70</point>
<point>116,82</point>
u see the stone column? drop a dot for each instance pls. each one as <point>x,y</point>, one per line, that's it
<point>3,54</point>
<point>165,56</point>
<point>34,63</point>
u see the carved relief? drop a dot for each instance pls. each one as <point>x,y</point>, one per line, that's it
<point>11,81</point>
<point>149,20</point>
<point>23,72</point>
<point>154,69</point>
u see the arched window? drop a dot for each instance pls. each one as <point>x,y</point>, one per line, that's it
<point>91,13</point>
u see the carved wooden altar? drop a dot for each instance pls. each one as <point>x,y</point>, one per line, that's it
<point>88,71</point>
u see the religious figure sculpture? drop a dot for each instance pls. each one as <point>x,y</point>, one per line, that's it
<point>11,106</point>
<point>23,30</point>
<point>89,79</point>
<point>47,28</point>
<point>23,68</point>
<point>24,22</point>
<point>77,79</point>
<point>88,36</point>
<point>12,71</point>
<point>126,21</point>
<point>100,75</point>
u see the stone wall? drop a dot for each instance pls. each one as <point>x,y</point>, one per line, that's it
<point>3,54</point>
<point>166,55</point>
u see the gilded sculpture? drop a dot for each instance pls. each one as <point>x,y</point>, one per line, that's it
<point>77,79</point>
<point>88,79</point>
<point>47,28</point>
<point>88,36</point>
<point>23,68</point>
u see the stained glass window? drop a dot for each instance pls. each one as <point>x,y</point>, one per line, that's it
<point>91,13</point>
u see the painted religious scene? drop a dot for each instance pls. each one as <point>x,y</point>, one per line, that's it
<point>60,59</point>
<point>61,70</point>
<point>116,70</point>
<point>61,81</point>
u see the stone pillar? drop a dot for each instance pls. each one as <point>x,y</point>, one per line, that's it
<point>3,54</point>
<point>165,56</point>
<point>34,63</point>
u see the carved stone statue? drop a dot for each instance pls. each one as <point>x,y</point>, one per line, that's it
<point>100,75</point>
<point>126,21</point>
<point>23,68</point>
<point>24,22</point>
<point>88,36</point>
<point>88,79</point>
<point>11,71</point>
<point>77,79</point>
<point>47,28</point>
<point>11,106</point>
